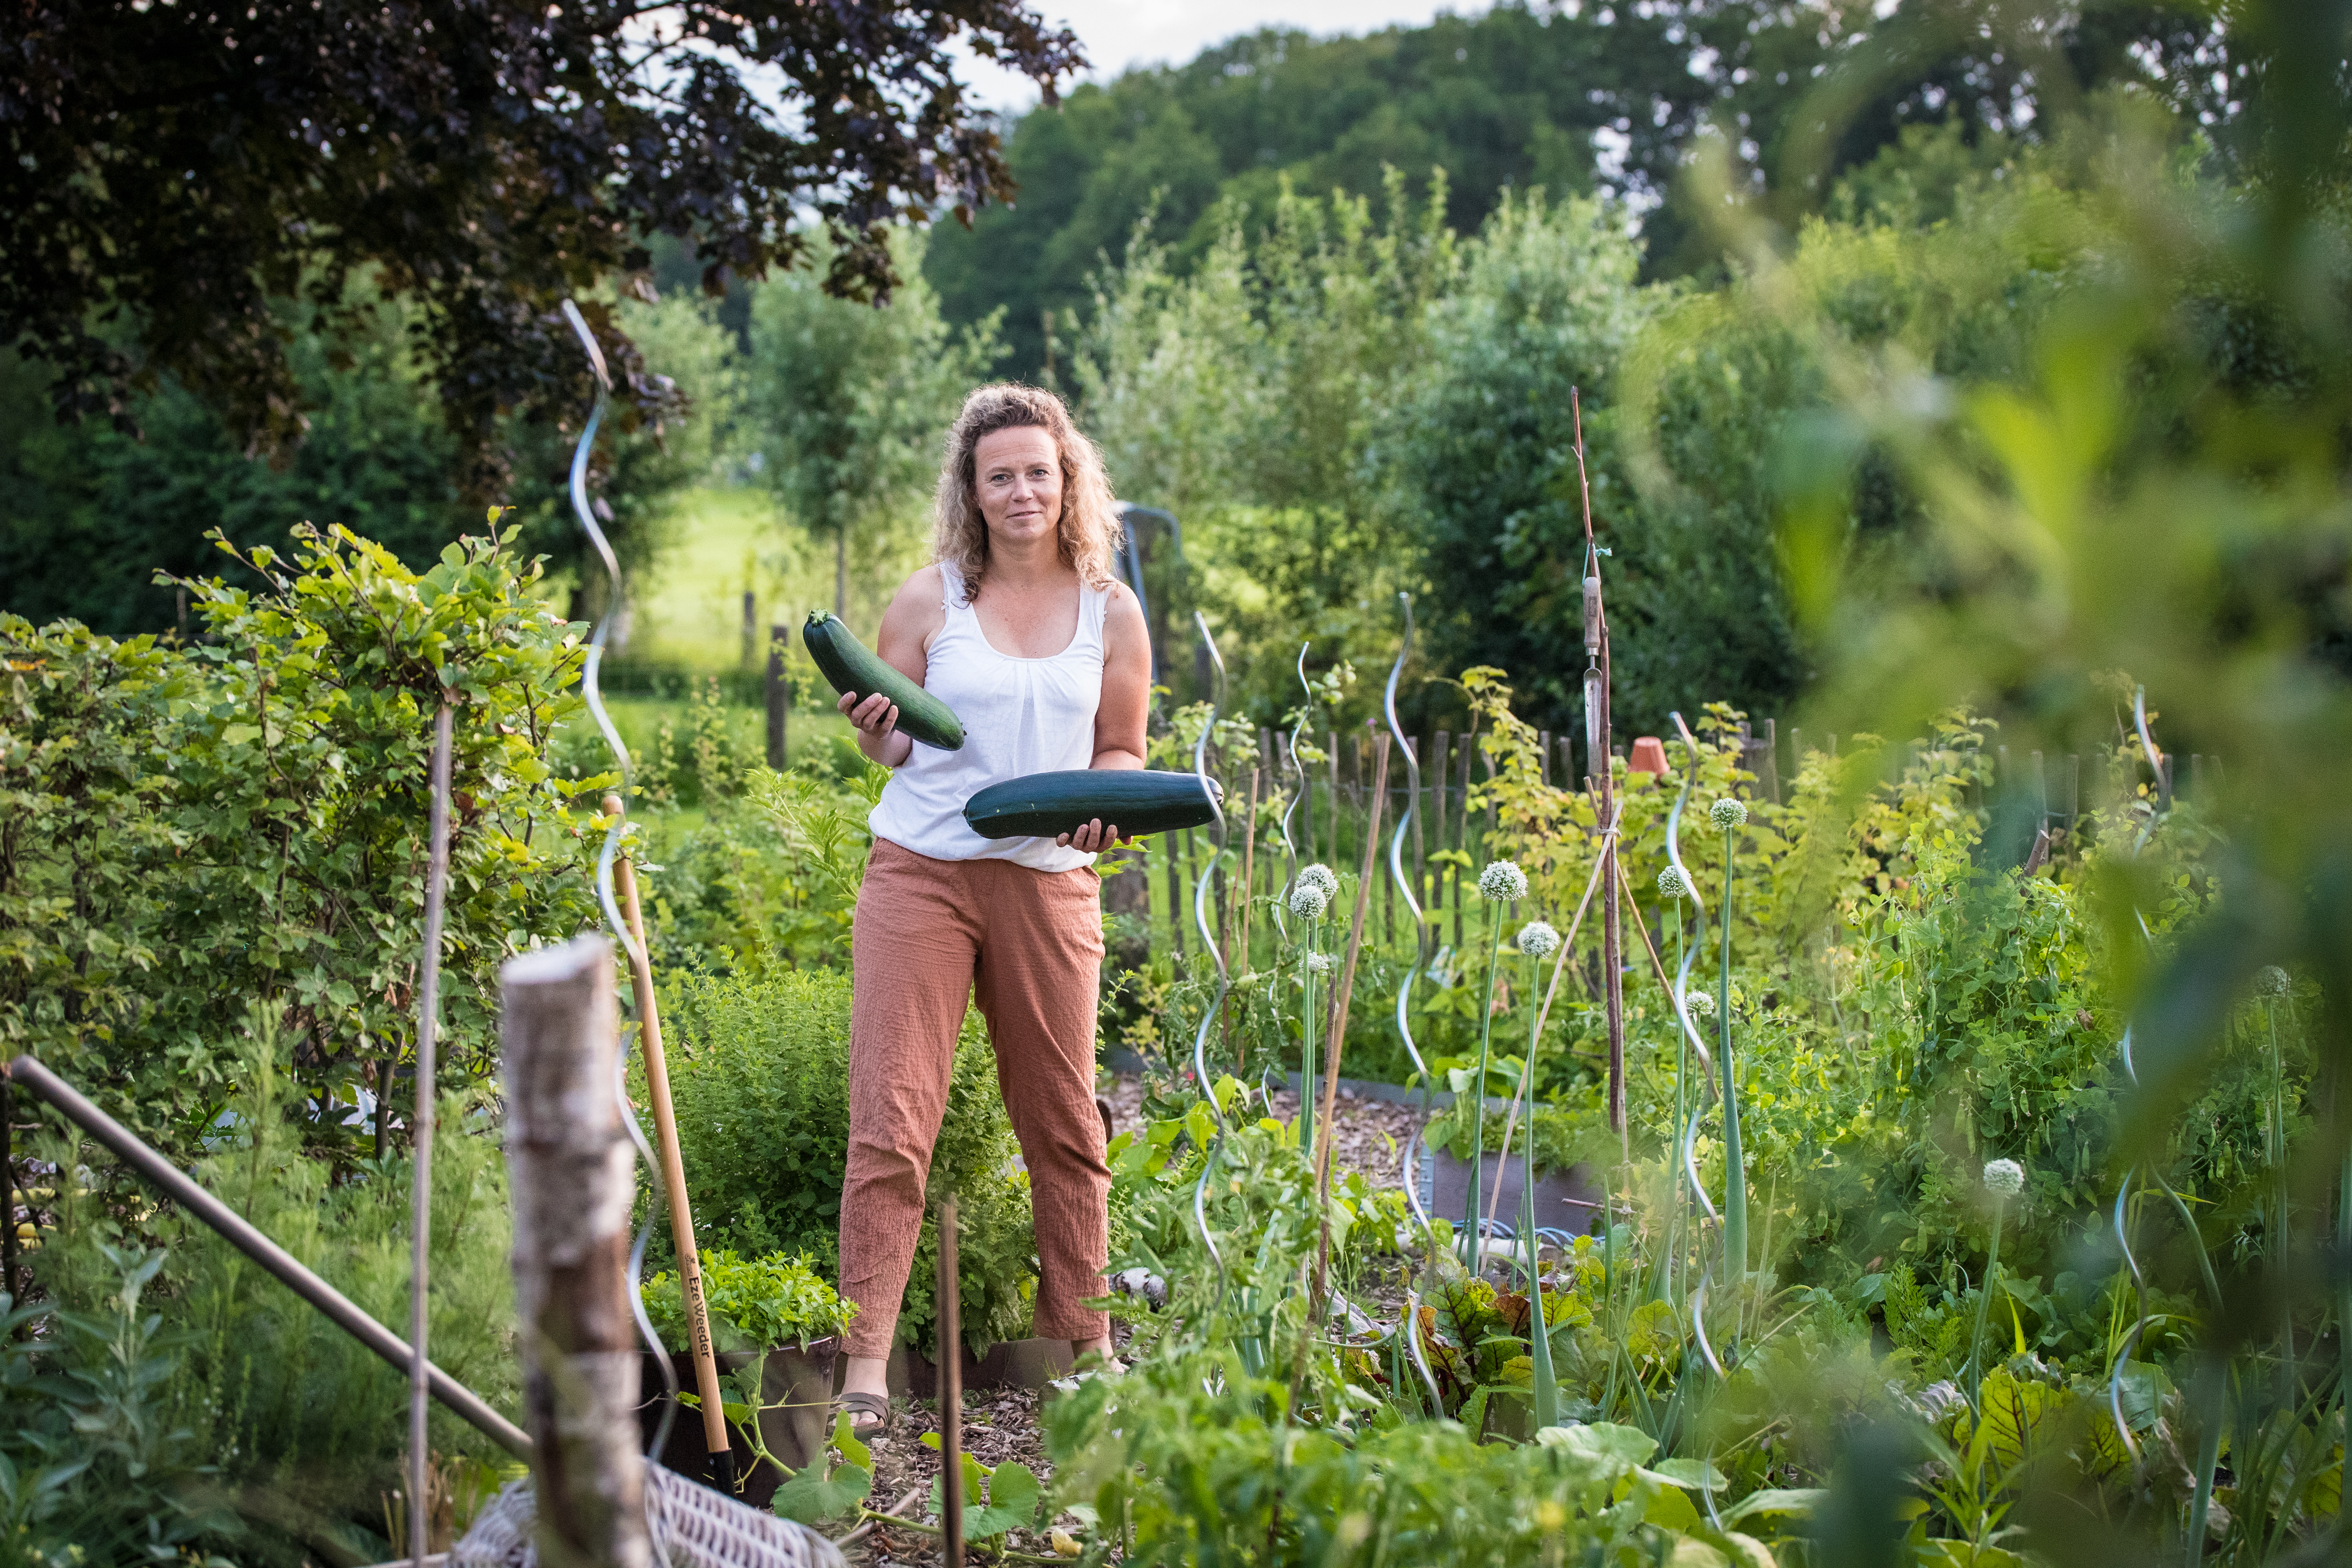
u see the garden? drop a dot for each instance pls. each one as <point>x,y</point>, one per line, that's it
<point>1762,986</point>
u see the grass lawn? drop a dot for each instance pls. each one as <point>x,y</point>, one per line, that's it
<point>715,543</point>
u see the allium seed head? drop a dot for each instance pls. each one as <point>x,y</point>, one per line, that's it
<point>2004,1178</point>
<point>2272,981</point>
<point>1536,939</point>
<point>1320,963</point>
<point>1318,875</point>
<point>1699,1003</point>
<point>1672,884</point>
<point>1309,900</point>
<point>1502,882</point>
<point>1727,813</point>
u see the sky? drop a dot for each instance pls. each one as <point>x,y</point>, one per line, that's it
<point>1119,33</point>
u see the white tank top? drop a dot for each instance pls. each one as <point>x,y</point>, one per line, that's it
<point>1020,716</point>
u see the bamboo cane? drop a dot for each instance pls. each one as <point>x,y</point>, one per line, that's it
<point>681,1210</point>
<point>420,1232</point>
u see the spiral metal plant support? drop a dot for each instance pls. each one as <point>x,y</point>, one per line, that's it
<point>1216,953</point>
<point>610,851</point>
<point>1404,991</point>
<point>1681,981</point>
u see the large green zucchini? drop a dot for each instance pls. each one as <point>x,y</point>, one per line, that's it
<point>1046,805</point>
<point>857,670</point>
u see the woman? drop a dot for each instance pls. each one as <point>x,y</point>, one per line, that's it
<point>1022,629</point>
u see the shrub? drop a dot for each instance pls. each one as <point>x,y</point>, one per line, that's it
<point>184,828</point>
<point>759,1074</point>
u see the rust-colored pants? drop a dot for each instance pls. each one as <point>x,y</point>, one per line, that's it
<point>928,935</point>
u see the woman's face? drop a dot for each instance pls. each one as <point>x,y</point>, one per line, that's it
<point>1019,475</point>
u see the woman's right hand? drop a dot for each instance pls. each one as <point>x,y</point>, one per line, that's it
<point>877,717</point>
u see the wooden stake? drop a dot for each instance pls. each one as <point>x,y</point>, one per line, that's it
<point>572,1177</point>
<point>950,1390</point>
<point>673,1162</point>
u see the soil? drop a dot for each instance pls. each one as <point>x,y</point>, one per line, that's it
<point>1002,1423</point>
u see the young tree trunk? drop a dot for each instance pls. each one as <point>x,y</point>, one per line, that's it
<point>571,1168</point>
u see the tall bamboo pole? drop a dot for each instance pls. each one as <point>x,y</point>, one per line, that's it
<point>1596,641</point>
<point>420,1237</point>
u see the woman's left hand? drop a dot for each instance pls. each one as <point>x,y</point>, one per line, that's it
<point>1091,839</point>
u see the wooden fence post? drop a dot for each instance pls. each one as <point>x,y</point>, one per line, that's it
<point>780,696</point>
<point>571,1172</point>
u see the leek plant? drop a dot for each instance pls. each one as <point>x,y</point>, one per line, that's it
<point>1501,883</point>
<point>2004,1179</point>
<point>1675,890</point>
<point>1728,814</point>
<point>1537,939</point>
<point>1310,896</point>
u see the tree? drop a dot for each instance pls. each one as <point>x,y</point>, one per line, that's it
<point>172,169</point>
<point>1253,398</point>
<point>852,401</point>
<point>89,515</point>
<point>1579,98</point>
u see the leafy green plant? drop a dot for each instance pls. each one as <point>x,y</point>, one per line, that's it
<point>96,1464</point>
<point>753,1304</point>
<point>183,830</point>
<point>759,1076</point>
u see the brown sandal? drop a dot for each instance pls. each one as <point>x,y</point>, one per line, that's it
<point>875,1406</point>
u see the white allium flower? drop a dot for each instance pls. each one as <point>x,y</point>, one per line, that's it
<point>1699,1003</point>
<point>1536,939</point>
<point>1320,963</point>
<point>2272,981</point>
<point>2004,1178</point>
<point>1309,900</point>
<point>1502,882</point>
<point>1672,884</point>
<point>1727,813</point>
<point>1318,875</point>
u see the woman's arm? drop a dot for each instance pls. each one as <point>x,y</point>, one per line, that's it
<point>1126,703</point>
<point>908,626</point>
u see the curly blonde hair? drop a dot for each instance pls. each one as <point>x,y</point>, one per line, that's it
<point>1091,535</point>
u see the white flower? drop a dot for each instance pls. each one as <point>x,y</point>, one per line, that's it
<point>1727,813</point>
<point>1536,939</point>
<point>1320,963</point>
<point>1672,884</point>
<point>1318,875</point>
<point>1699,1003</point>
<point>1309,900</point>
<point>2269,979</point>
<point>1502,882</point>
<point>2004,1178</point>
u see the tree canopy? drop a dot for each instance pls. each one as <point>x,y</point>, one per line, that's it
<point>175,173</point>
<point>1578,98</point>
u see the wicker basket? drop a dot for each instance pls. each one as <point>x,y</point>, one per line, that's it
<point>692,1527</point>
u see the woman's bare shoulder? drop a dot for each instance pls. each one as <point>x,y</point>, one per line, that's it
<point>1123,626</point>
